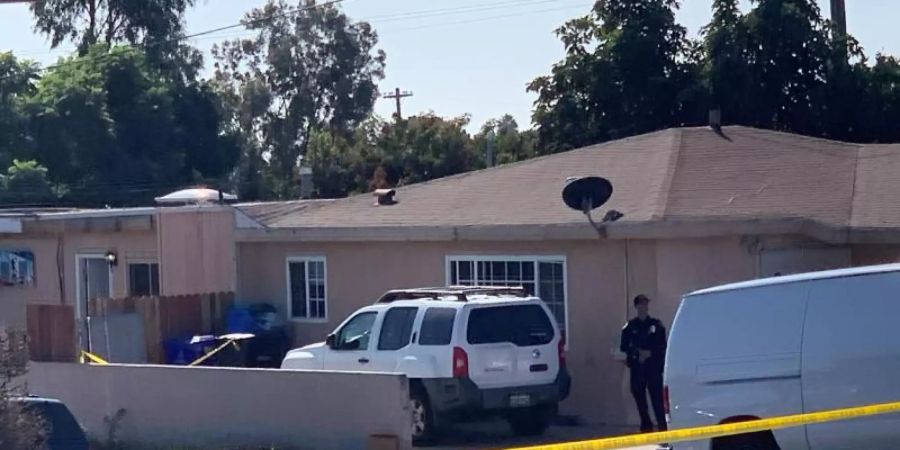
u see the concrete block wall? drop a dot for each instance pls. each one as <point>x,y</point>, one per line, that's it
<point>204,407</point>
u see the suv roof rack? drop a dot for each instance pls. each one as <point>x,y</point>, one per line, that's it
<point>460,292</point>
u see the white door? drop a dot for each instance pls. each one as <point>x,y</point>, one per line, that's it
<point>353,344</point>
<point>851,357</point>
<point>94,281</point>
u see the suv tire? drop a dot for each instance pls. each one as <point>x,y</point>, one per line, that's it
<point>423,426</point>
<point>530,422</point>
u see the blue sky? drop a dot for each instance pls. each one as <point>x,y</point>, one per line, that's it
<point>458,56</point>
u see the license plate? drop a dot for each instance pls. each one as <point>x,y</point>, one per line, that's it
<point>519,401</point>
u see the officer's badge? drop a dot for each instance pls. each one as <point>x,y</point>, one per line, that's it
<point>652,329</point>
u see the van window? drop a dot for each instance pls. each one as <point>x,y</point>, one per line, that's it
<point>397,328</point>
<point>437,326</point>
<point>522,325</point>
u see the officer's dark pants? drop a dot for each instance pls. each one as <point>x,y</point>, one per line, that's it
<point>643,380</point>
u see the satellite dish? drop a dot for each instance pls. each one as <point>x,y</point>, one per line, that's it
<point>586,193</point>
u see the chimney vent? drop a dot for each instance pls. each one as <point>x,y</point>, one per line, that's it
<point>384,197</point>
<point>715,119</point>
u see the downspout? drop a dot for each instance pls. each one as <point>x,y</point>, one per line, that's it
<point>60,268</point>
<point>627,293</point>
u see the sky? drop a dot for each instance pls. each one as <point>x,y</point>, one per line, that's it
<point>456,56</point>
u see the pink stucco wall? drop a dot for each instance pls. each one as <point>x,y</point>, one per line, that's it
<point>597,297</point>
<point>196,250</point>
<point>55,270</point>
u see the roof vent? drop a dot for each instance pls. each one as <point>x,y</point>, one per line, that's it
<point>195,196</point>
<point>384,197</point>
<point>715,119</point>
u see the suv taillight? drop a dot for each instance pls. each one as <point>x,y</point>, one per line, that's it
<point>666,399</point>
<point>460,363</point>
<point>561,349</point>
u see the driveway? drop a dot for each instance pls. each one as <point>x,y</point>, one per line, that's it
<point>496,435</point>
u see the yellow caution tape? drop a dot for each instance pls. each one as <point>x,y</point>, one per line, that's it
<point>200,360</point>
<point>94,358</point>
<point>714,431</point>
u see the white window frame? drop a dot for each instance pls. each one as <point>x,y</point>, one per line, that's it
<point>536,259</point>
<point>290,304</point>
<point>130,261</point>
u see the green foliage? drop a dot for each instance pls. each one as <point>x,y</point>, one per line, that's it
<point>16,83</point>
<point>507,142</point>
<point>116,130</point>
<point>305,70</point>
<point>628,69</point>
<point>384,154</point>
<point>26,183</point>
<point>89,22</point>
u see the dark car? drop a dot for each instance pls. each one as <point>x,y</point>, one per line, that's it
<point>63,432</point>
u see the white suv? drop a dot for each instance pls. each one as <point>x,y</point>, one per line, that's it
<point>468,352</point>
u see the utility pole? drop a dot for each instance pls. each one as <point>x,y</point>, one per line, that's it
<point>397,95</point>
<point>839,16</point>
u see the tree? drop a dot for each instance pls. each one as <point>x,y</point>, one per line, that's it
<point>628,69</point>
<point>726,61</point>
<point>787,52</point>
<point>26,183</point>
<point>19,428</point>
<point>17,80</point>
<point>116,130</point>
<point>508,143</point>
<point>425,147</point>
<point>308,68</point>
<point>89,22</point>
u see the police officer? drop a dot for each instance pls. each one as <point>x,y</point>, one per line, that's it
<point>644,344</point>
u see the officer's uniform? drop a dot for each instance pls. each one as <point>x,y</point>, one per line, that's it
<point>648,334</point>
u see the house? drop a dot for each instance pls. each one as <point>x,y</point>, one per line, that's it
<point>701,207</point>
<point>66,257</point>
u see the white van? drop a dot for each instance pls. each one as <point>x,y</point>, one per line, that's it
<point>786,345</point>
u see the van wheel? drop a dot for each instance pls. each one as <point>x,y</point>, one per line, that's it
<point>530,422</point>
<point>762,440</point>
<point>422,417</point>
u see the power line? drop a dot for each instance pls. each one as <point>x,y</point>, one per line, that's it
<point>146,45</point>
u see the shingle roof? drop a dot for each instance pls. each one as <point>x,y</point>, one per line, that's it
<point>679,174</point>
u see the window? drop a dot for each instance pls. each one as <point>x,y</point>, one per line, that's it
<point>437,326</point>
<point>525,325</point>
<point>306,288</point>
<point>355,335</point>
<point>143,279</point>
<point>543,276</point>
<point>396,328</point>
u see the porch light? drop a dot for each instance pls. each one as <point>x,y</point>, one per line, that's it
<point>111,258</point>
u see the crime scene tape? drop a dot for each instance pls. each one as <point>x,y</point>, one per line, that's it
<point>92,357</point>
<point>714,431</point>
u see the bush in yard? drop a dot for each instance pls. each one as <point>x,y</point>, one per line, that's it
<point>19,429</point>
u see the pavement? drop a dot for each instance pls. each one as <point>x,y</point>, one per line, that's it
<point>496,435</point>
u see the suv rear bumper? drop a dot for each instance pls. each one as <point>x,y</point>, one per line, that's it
<point>461,397</point>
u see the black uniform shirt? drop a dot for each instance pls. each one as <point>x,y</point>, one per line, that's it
<point>648,334</point>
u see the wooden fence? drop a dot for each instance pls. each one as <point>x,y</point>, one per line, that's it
<point>52,329</point>
<point>51,332</point>
<point>164,318</point>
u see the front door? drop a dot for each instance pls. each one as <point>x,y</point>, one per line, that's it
<point>94,281</point>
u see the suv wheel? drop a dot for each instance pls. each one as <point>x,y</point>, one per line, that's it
<point>422,417</point>
<point>530,422</point>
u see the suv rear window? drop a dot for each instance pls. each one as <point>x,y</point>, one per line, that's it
<point>522,325</point>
